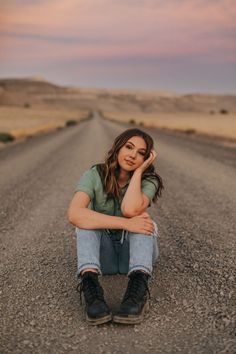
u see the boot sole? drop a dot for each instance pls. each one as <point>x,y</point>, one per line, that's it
<point>132,319</point>
<point>98,321</point>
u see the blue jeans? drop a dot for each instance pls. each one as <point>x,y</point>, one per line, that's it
<point>107,251</point>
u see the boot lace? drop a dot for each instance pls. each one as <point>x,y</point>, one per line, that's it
<point>91,289</point>
<point>137,288</point>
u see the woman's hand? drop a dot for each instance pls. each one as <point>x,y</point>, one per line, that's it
<point>147,162</point>
<point>140,224</point>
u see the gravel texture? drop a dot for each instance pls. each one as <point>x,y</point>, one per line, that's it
<point>193,286</point>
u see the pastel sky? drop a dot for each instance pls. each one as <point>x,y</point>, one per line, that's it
<point>169,45</point>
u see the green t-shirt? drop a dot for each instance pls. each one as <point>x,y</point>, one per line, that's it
<point>90,183</point>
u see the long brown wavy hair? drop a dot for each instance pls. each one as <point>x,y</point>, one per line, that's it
<point>109,170</point>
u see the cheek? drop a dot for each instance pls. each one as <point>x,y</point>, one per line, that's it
<point>119,156</point>
<point>140,160</point>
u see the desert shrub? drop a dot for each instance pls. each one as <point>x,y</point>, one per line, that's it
<point>224,111</point>
<point>212,112</point>
<point>6,137</point>
<point>27,105</point>
<point>71,122</point>
<point>132,121</point>
<point>190,131</point>
<point>141,124</point>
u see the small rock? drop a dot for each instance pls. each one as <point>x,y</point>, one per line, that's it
<point>70,335</point>
<point>26,342</point>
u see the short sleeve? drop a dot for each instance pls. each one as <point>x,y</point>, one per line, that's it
<point>86,183</point>
<point>149,188</point>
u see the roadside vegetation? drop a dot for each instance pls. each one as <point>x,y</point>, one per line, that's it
<point>6,137</point>
<point>221,124</point>
<point>21,122</point>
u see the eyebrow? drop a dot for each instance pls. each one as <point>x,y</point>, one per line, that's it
<point>134,145</point>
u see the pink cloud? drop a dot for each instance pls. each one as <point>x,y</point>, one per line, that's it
<point>97,16</point>
<point>122,29</point>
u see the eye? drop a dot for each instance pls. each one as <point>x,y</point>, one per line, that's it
<point>142,153</point>
<point>128,147</point>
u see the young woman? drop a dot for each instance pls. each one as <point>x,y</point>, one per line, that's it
<point>115,234</point>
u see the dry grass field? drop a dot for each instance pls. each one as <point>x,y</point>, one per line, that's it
<point>21,122</point>
<point>29,107</point>
<point>214,125</point>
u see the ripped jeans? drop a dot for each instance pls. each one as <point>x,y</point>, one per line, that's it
<point>111,253</point>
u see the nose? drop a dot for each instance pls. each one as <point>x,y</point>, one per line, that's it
<point>133,154</point>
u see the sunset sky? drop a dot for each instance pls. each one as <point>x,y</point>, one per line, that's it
<point>184,46</point>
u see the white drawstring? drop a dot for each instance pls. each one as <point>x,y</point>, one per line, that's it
<point>123,236</point>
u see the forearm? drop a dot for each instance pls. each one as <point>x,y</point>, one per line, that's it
<point>85,218</point>
<point>133,198</point>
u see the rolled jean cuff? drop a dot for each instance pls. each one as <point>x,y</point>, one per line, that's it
<point>140,267</point>
<point>87,266</point>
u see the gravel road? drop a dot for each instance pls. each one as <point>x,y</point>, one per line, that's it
<point>193,288</point>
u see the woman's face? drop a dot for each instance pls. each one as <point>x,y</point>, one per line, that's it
<point>131,154</point>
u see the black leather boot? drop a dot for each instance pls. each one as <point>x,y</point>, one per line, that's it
<point>97,311</point>
<point>135,301</point>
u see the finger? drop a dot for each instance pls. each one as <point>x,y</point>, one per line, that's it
<point>149,222</point>
<point>150,229</point>
<point>154,154</point>
<point>151,156</point>
<point>151,232</point>
<point>145,232</point>
<point>150,159</point>
<point>145,214</point>
<point>149,225</point>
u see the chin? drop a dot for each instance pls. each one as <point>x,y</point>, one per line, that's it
<point>131,169</point>
<point>128,169</point>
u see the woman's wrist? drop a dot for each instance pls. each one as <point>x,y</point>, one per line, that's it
<point>125,225</point>
<point>138,172</point>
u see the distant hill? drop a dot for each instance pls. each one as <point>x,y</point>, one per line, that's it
<point>38,92</point>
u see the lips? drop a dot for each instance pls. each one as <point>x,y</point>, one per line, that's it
<point>130,163</point>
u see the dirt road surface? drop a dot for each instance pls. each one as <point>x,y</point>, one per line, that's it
<point>193,287</point>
